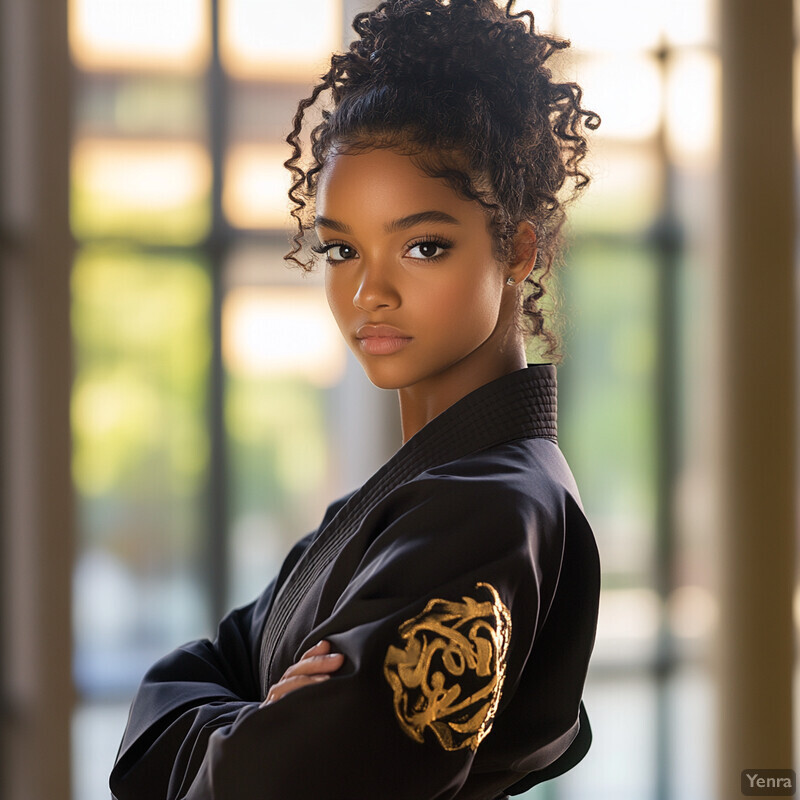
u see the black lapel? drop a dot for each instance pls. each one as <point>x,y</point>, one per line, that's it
<point>519,405</point>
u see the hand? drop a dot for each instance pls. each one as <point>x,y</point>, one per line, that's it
<point>314,666</point>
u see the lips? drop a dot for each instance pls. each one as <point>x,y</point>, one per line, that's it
<point>372,331</point>
<point>381,340</point>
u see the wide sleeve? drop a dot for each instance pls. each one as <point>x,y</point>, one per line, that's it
<point>436,627</point>
<point>186,694</point>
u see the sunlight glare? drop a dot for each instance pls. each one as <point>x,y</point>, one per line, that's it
<point>693,108</point>
<point>626,91</point>
<point>689,22</point>
<point>281,330</point>
<point>285,41</point>
<point>255,186</point>
<point>145,174</point>
<point>543,14</point>
<point>612,26</point>
<point>172,35</point>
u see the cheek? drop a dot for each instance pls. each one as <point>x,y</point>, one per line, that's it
<point>335,289</point>
<point>336,296</point>
<point>470,304</point>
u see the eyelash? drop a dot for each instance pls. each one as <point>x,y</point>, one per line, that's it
<point>440,241</point>
<point>323,249</point>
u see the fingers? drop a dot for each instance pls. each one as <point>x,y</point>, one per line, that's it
<point>314,666</point>
<point>319,649</point>
<point>288,685</point>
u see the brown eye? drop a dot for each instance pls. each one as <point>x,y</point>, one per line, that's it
<point>428,250</point>
<point>336,252</point>
<point>345,252</point>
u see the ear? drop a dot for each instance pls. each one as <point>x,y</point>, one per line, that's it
<point>524,252</point>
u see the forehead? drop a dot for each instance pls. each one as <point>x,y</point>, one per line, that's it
<point>382,184</point>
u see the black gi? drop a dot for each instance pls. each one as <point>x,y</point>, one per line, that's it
<point>461,583</point>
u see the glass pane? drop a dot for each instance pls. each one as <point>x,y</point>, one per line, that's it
<point>259,261</point>
<point>690,700</point>
<point>607,403</point>
<point>625,194</point>
<point>690,22</point>
<point>621,763</point>
<point>164,35</point>
<point>279,41</point>
<point>283,354</point>
<point>693,109</point>
<point>692,609</point>
<point>96,733</point>
<point>282,330</point>
<point>632,114</point>
<point>256,185</point>
<point>629,618</point>
<point>543,13</point>
<point>140,458</point>
<point>159,106</point>
<point>692,603</point>
<point>154,191</point>
<point>612,26</point>
<point>261,112</point>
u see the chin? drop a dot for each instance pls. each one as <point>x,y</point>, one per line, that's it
<point>385,375</point>
<point>383,380</point>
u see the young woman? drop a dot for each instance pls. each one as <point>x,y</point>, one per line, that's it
<point>431,638</point>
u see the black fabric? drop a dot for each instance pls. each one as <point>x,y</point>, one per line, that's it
<point>506,409</point>
<point>479,497</point>
<point>565,762</point>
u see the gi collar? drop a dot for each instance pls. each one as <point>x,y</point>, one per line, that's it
<point>519,405</point>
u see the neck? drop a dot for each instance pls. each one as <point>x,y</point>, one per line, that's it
<point>423,401</point>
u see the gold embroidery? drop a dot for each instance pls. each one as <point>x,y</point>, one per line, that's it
<point>449,673</point>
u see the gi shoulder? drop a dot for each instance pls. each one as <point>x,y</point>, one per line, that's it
<point>526,480</point>
<point>511,496</point>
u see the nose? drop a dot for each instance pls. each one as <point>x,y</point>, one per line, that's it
<point>376,288</point>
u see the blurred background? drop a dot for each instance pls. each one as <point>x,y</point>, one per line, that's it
<point>167,435</point>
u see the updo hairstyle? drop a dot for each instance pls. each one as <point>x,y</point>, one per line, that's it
<point>463,88</point>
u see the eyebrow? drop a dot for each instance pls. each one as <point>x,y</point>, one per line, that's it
<point>395,225</point>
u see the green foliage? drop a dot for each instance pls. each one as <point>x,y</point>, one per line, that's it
<point>142,348</point>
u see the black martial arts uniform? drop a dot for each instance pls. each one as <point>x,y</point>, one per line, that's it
<point>461,583</point>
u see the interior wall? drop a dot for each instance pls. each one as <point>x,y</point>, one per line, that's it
<point>757,410</point>
<point>36,500</point>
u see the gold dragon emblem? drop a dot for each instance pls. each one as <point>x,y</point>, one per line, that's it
<point>449,671</point>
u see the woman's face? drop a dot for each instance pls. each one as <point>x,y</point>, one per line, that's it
<point>404,250</point>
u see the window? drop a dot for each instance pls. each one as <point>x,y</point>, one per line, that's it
<point>211,386</point>
<point>212,395</point>
<point>633,280</point>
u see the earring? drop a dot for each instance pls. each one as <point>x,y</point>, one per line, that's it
<point>510,282</point>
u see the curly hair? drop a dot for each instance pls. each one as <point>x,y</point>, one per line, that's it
<point>463,88</point>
